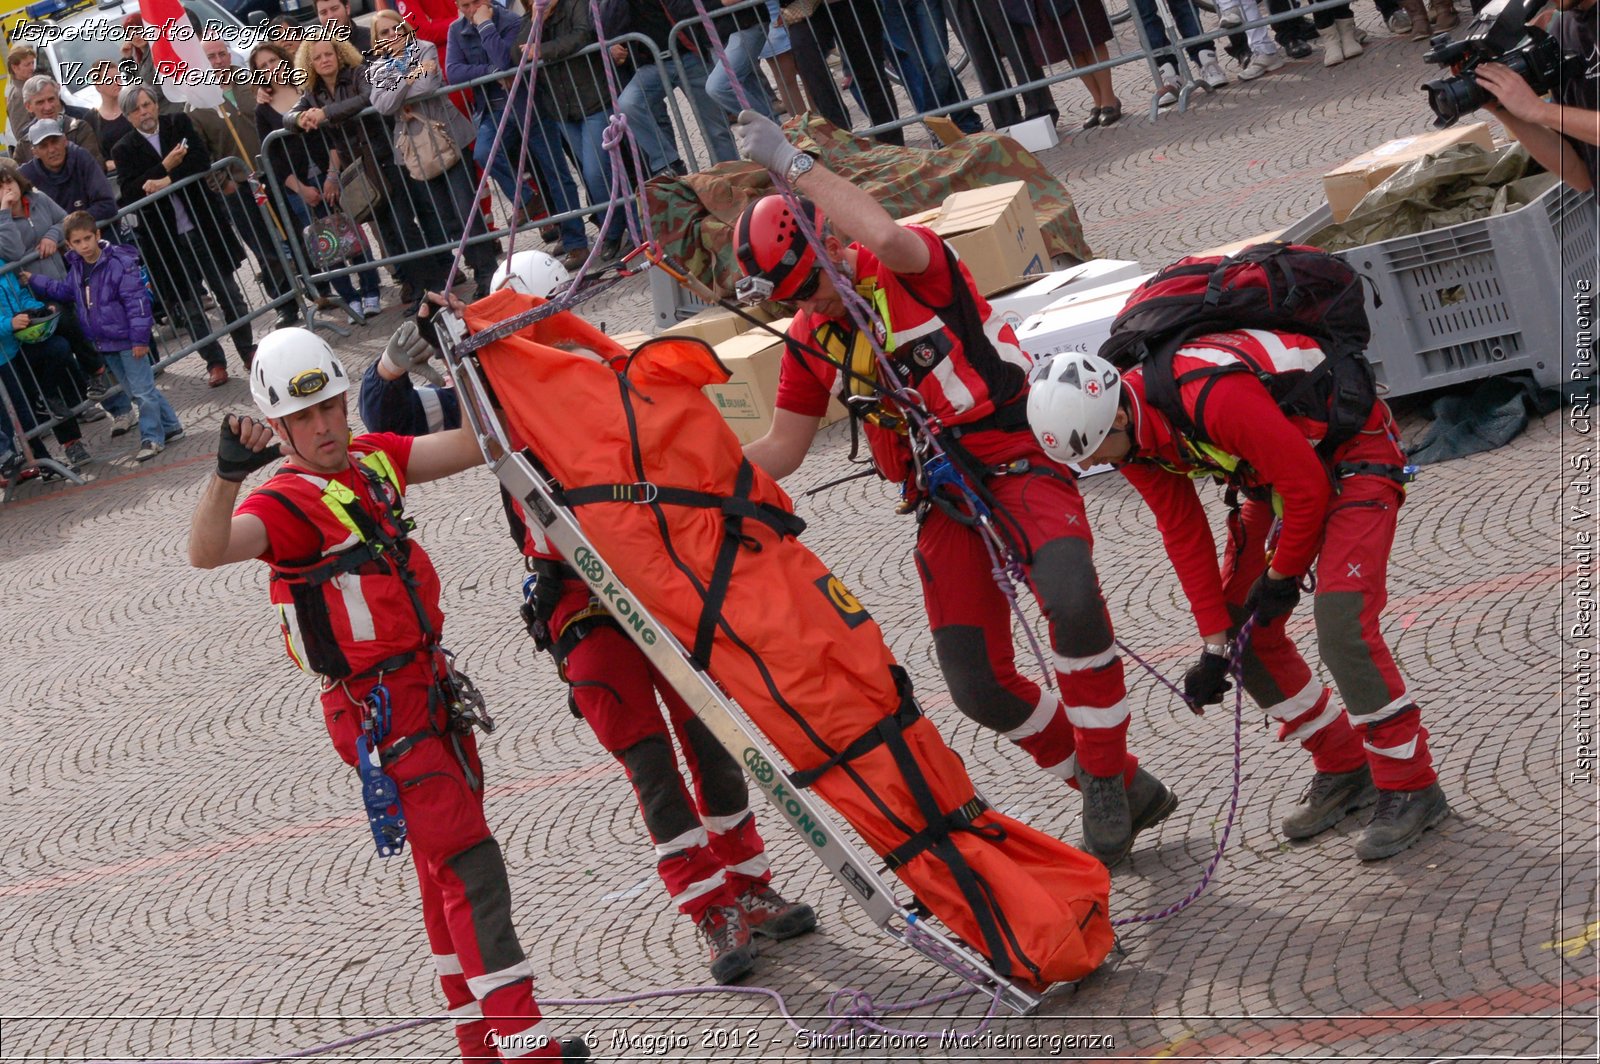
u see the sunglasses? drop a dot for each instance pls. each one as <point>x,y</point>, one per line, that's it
<point>807,288</point>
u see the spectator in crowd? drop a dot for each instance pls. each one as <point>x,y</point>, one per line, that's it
<point>484,40</point>
<point>993,41</point>
<point>780,59</point>
<point>188,243</point>
<point>1188,23</point>
<point>855,27</point>
<point>1337,28</point>
<point>41,95</point>
<point>406,80</point>
<point>230,131</point>
<point>1294,35</point>
<point>114,125</point>
<point>37,375</point>
<point>21,61</point>
<point>336,92</point>
<point>1254,50</point>
<point>650,84</point>
<point>1562,134</point>
<point>113,308</point>
<point>744,35</point>
<point>336,14</point>
<point>918,33</point>
<point>1076,31</point>
<point>30,222</point>
<point>298,164</point>
<point>138,65</point>
<point>572,93</point>
<point>67,173</point>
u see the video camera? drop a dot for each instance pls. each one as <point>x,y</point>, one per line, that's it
<point>1500,34</point>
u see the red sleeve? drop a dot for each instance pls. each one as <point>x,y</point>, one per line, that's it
<point>932,285</point>
<point>1181,518</point>
<point>800,391</point>
<point>288,537</point>
<point>1242,419</point>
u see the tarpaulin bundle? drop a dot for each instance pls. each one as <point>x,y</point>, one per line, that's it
<point>707,543</point>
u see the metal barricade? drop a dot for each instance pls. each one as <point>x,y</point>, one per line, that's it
<point>204,239</point>
<point>416,225</point>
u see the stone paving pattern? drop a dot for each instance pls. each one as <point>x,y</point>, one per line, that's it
<point>187,874</point>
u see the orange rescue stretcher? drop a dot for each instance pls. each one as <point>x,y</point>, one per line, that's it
<point>630,472</point>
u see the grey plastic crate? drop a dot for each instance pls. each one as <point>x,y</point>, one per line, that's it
<point>1478,299</point>
<point>671,301</point>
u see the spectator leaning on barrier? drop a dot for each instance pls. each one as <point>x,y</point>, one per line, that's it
<point>406,84</point>
<point>972,378</point>
<point>572,93</point>
<point>1561,134</point>
<point>37,375</point>
<point>186,238</point>
<point>67,173</point>
<point>1188,24</point>
<point>42,97</point>
<point>337,91</point>
<point>113,307</point>
<point>485,40</point>
<point>994,40</point>
<point>919,37</point>
<point>21,61</point>
<point>335,14</point>
<point>31,221</point>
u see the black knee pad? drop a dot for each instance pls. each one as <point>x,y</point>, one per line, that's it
<point>653,769</point>
<point>964,660</point>
<point>1069,592</point>
<point>721,779</point>
<point>1361,685</point>
<point>482,871</point>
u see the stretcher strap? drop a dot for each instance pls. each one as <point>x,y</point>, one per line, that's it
<point>738,505</point>
<point>908,714</point>
<point>722,572</point>
<point>960,820</point>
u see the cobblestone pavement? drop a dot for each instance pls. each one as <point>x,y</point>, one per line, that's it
<point>186,873</point>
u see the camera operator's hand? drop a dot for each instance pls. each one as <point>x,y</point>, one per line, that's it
<point>1512,94</point>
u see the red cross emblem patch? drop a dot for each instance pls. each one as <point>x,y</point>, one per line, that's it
<point>1092,386</point>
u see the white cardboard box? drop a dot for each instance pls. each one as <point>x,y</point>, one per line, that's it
<point>1076,323</point>
<point>1019,304</point>
<point>1036,134</point>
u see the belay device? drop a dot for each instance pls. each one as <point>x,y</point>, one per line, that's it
<point>379,793</point>
<point>692,550</point>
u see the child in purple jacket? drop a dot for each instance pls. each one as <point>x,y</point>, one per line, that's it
<point>114,307</point>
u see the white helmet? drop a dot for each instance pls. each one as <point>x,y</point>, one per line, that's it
<point>293,369</point>
<point>533,273</point>
<point>1072,404</point>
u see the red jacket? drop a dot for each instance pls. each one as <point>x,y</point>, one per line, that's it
<point>1239,418</point>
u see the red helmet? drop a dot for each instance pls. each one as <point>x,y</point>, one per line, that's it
<point>770,246</point>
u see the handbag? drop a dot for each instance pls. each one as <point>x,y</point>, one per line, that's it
<point>360,191</point>
<point>426,148</point>
<point>332,240</point>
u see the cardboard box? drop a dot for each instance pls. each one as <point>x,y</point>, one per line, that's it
<point>1035,135</point>
<point>746,401</point>
<point>1347,184</point>
<point>943,128</point>
<point>716,324</point>
<point>995,232</point>
<point>1080,322</point>
<point>1018,304</point>
<point>1239,245</point>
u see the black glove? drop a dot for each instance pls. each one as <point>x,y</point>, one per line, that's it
<point>1206,681</point>
<point>1270,599</point>
<point>235,461</point>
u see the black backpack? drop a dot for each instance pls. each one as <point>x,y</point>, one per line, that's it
<point>1276,287</point>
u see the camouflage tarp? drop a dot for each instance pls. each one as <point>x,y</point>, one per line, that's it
<point>693,216</point>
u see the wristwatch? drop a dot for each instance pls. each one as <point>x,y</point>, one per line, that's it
<point>1219,650</point>
<point>800,164</point>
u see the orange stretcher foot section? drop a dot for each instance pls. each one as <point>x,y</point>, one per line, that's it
<point>707,543</point>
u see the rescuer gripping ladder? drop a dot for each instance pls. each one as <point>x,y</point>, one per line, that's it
<point>801,811</point>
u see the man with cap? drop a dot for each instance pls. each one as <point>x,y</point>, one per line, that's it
<point>41,95</point>
<point>360,610</point>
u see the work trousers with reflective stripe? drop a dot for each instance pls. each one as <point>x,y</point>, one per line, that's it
<point>1352,589</point>
<point>971,621</point>
<point>707,848</point>
<point>466,894</point>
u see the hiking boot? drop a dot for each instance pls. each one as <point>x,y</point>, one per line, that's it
<point>733,953</point>
<point>575,258</point>
<point>1107,823</point>
<point>1149,801</point>
<point>1326,800</point>
<point>123,424</point>
<point>770,914</point>
<point>1400,820</point>
<point>574,1049</point>
<point>1211,71</point>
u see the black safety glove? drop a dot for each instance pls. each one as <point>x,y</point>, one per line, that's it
<point>1270,599</point>
<point>1207,681</point>
<point>235,461</point>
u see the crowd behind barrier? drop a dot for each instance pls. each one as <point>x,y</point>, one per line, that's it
<point>346,159</point>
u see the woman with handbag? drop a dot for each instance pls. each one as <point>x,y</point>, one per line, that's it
<point>362,176</point>
<point>429,138</point>
<point>296,164</point>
